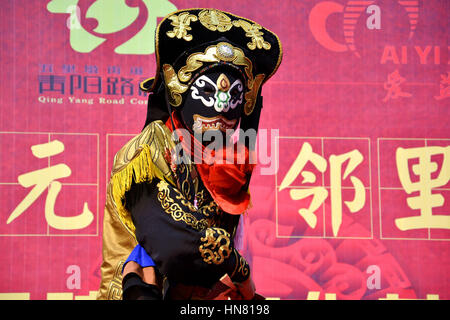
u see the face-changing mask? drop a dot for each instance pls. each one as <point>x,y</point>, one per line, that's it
<point>214,101</point>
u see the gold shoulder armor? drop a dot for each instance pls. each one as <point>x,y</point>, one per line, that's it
<point>140,159</point>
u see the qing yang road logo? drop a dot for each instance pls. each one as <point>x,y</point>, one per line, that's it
<point>136,18</point>
<point>352,11</point>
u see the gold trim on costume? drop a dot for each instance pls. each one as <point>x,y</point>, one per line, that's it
<point>174,210</point>
<point>215,247</point>
<point>209,209</point>
<point>185,186</point>
<point>243,268</point>
<point>184,200</point>
<point>114,291</point>
<point>200,196</point>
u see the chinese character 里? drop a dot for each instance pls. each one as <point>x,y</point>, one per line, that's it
<point>425,201</point>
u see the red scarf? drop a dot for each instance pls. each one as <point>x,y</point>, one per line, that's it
<point>224,181</point>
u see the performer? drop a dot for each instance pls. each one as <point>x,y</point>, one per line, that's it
<point>173,205</point>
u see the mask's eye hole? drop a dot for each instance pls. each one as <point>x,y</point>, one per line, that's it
<point>208,90</point>
<point>235,92</point>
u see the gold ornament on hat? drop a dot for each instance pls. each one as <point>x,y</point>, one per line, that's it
<point>181,24</point>
<point>253,31</point>
<point>215,20</point>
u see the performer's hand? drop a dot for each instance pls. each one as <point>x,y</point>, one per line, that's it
<point>147,274</point>
<point>133,266</point>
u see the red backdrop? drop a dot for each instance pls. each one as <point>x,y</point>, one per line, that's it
<point>358,206</point>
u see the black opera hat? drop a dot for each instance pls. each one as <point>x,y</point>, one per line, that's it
<point>190,41</point>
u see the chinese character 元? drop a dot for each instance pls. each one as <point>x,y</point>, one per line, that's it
<point>46,178</point>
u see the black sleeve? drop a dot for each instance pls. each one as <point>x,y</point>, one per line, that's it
<point>183,241</point>
<point>135,289</point>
